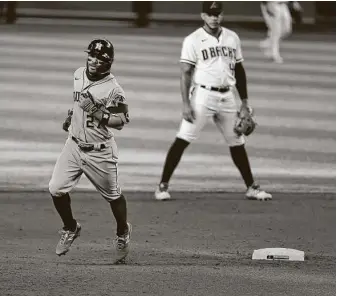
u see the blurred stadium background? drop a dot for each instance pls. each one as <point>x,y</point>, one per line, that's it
<point>294,148</point>
<point>318,13</point>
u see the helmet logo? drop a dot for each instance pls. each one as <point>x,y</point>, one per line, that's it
<point>214,5</point>
<point>105,55</point>
<point>98,46</point>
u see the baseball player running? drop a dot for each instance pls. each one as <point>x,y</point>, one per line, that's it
<point>99,106</point>
<point>211,56</point>
<point>278,20</point>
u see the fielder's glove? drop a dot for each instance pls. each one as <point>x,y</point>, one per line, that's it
<point>87,103</point>
<point>67,122</point>
<point>245,123</point>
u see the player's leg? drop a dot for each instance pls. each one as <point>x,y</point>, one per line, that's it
<point>286,21</point>
<point>265,44</point>
<point>119,209</point>
<point>102,171</point>
<point>276,33</point>
<point>66,175</point>
<point>225,122</point>
<point>172,160</point>
<point>187,133</point>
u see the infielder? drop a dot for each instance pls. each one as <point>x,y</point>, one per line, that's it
<point>99,106</point>
<point>278,20</point>
<point>211,67</point>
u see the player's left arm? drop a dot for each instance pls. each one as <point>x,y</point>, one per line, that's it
<point>114,114</point>
<point>110,119</point>
<point>117,114</point>
<point>245,124</point>
<point>240,77</point>
<point>114,117</point>
<point>241,82</point>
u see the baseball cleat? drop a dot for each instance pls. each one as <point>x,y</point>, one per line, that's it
<point>67,238</point>
<point>255,193</point>
<point>162,193</point>
<point>122,245</point>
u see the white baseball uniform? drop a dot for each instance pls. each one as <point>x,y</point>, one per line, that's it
<point>214,60</point>
<point>279,25</point>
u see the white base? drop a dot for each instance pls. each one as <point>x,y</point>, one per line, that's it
<point>278,254</point>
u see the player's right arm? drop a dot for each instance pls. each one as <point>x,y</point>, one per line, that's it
<point>67,121</point>
<point>78,74</point>
<point>188,61</point>
<point>185,85</point>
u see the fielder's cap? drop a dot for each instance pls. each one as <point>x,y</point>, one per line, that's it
<point>212,7</point>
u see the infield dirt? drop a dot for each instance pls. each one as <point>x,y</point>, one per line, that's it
<point>197,244</point>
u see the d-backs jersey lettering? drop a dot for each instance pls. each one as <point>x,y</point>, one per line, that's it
<point>106,92</point>
<point>214,58</point>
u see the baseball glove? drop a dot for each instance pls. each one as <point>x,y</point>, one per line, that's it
<point>87,103</point>
<point>67,122</point>
<point>245,123</point>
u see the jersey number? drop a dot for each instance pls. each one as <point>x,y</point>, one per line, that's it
<point>90,121</point>
<point>232,68</point>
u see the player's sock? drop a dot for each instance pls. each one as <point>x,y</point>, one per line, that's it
<point>172,159</point>
<point>119,210</point>
<point>63,207</point>
<point>240,159</point>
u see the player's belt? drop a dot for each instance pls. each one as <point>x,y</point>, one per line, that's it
<point>218,89</point>
<point>87,147</point>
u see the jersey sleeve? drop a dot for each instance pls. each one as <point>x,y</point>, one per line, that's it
<point>239,56</point>
<point>117,95</point>
<point>188,54</point>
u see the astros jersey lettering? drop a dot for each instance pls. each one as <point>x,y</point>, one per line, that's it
<point>214,58</point>
<point>107,92</point>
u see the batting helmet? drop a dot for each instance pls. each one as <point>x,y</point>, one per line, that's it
<point>103,50</point>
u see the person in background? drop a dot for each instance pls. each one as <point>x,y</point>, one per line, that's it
<point>278,19</point>
<point>8,11</point>
<point>211,64</point>
<point>142,10</point>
